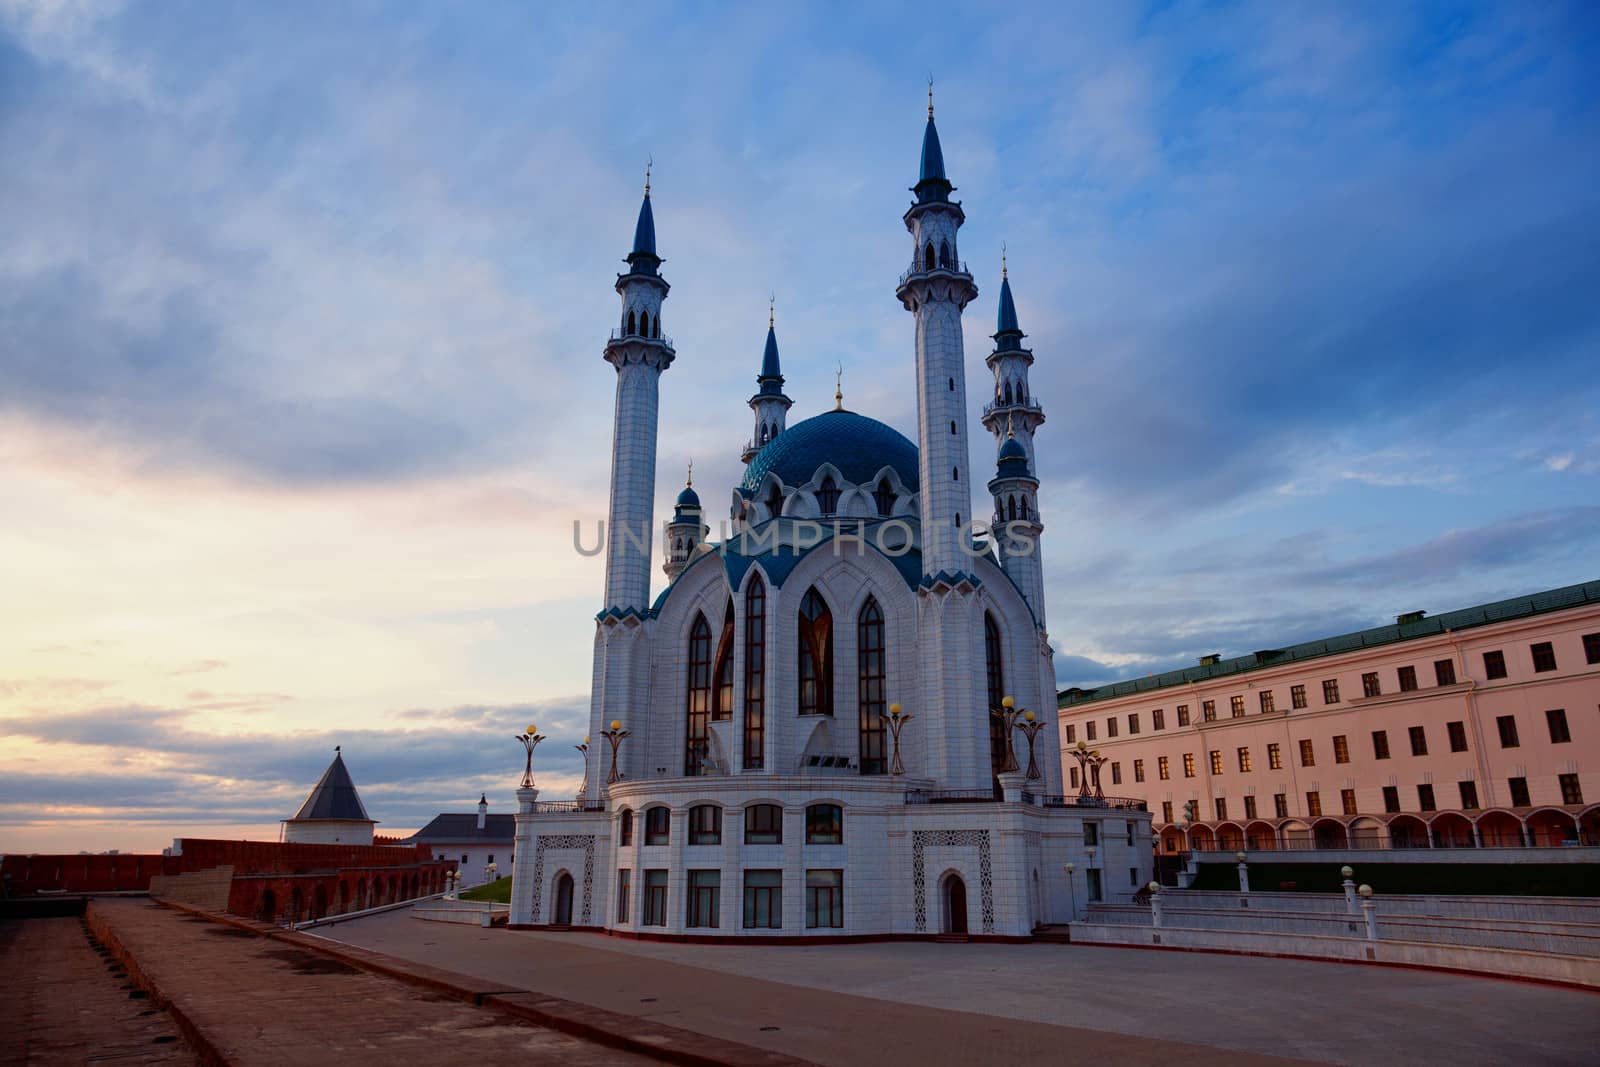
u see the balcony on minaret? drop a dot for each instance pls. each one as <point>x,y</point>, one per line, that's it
<point>954,268</point>
<point>626,335</point>
<point>1030,406</point>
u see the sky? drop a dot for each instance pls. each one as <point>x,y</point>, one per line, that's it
<point>302,308</point>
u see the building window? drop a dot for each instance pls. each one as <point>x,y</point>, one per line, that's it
<point>1347,801</point>
<point>655,898</point>
<point>625,827</point>
<point>1275,756</point>
<point>463,859</point>
<point>1133,722</point>
<point>705,825</point>
<point>1188,764</point>
<point>1111,727</point>
<point>1250,807</point>
<point>1071,734</point>
<point>1222,807</point>
<point>657,825</point>
<point>1519,792</point>
<point>755,674</point>
<point>870,688</point>
<point>1391,799</point>
<point>1244,760</point>
<point>624,877</point>
<point>1208,710</point>
<point>1341,748</point>
<point>816,655</point>
<point>1571,791</point>
<point>824,899</point>
<point>1297,696</point>
<point>1236,706</point>
<point>994,676</point>
<point>1183,715</point>
<point>883,496</point>
<point>1158,719</point>
<point>1166,811</point>
<point>1370,686</point>
<point>705,891</point>
<point>698,698</point>
<point>1419,741</point>
<point>1073,776</point>
<point>1444,671</point>
<point>1425,798</point>
<point>1092,876</point>
<point>1408,679</point>
<point>722,689</point>
<point>1267,704</point>
<point>1508,731</point>
<point>1138,770</point>
<point>1216,761</point>
<point>1556,719</point>
<point>828,496</point>
<point>1091,834</point>
<point>1088,730</point>
<point>1116,773</point>
<point>824,824</point>
<point>1308,758</point>
<point>763,900</point>
<point>1544,656</point>
<point>1458,735</point>
<point>1469,796</point>
<point>1163,769</point>
<point>1313,803</point>
<point>1280,805</point>
<point>1494,664</point>
<point>1380,744</point>
<point>763,824</point>
<point>1330,691</point>
<point>1591,648</point>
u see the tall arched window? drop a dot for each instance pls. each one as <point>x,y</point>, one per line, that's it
<point>1011,507</point>
<point>722,692</point>
<point>995,676</point>
<point>633,323</point>
<point>927,257</point>
<point>699,697</point>
<point>816,655</point>
<point>828,496</point>
<point>644,323</point>
<point>625,827</point>
<point>870,678</point>
<point>775,501</point>
<point>755,673</point>
<point>1006,393</point>
<point>883,496</point>
<point>944,253</point>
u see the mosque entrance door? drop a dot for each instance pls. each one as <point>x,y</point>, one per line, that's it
<point>564,899</point>
<point>955,905</point>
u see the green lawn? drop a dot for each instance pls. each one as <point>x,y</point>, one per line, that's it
<point>498,891</point>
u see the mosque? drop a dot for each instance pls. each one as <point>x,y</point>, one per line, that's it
<point>840,721</point>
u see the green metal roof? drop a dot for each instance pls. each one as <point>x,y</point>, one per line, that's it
<point>1500,611</point>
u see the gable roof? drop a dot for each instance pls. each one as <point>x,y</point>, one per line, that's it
<point>452,826</point>
<point>334,797</point>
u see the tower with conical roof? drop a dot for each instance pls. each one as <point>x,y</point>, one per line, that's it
<point>333,813</point>
<point>686,531</point>
<point>770,405</point>
<point>1013,416</point>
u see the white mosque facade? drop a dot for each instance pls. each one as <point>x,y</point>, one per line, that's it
<point>760,790</point>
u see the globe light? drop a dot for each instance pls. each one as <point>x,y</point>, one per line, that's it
<point>1346,872</point>
<point>1154,887</point>
<point>1007,702</point>
<point>1028,715</point>
<point>894,709</point>
<point>616,724</point>
<point>1240,856</point>
<point>1365,891</point>
<point>532,729</point>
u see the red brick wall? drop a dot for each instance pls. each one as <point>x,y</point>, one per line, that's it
<point>27,875</point>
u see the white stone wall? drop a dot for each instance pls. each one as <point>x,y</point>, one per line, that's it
<point>478,855</point>
<point>327,832</point>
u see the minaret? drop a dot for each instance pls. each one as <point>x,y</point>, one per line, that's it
<point>686,530</point>
<point>1012,417</point>
<point>640,352</point>
<point>770,405</point>
<point>935,290</point>
<point>949,614</point>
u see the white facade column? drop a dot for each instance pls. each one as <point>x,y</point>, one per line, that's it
<point>522,862</point>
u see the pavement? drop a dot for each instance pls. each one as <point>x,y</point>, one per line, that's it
<point>891,1003</point>
<point>66,1003</point>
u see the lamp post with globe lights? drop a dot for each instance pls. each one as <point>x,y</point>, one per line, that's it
<point>1030,727</point>
<point>1072,889</point>
<point>1155,903</point>
<point>1244,871</point>
<point>614,736</point>
<point>1007,714</point>
<point>896,720</point>
<point>1369,911</point>
<point>1348,874</point>
<point>530,741</point>
<point>1089,761</point>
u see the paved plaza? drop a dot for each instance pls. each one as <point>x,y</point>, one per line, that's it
<point>897,1002</point>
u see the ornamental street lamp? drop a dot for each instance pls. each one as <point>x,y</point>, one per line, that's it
<point>1348,874</point>
<point>896,719</point>
<point>615,736</point>
<point>583,788</point>
<point>1089,761</point>
<point>530,741</point>
<point>1369,912</point>
<point>1155,903</point>
<point>1030,728</point>
<point>491,872</point>
<point>1007,714</point>
<point>1072,890</point>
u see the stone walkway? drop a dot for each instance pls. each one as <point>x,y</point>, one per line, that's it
<point>256,1001</point>
<point>65,1003</point>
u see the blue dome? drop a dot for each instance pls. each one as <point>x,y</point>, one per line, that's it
<point>858,446</point>
<point>688,498</point>
<point>1012,449</point>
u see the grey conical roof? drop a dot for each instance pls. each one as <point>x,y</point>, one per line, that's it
<point>334,796</point>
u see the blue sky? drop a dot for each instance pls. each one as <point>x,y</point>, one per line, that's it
<point>301,311</point>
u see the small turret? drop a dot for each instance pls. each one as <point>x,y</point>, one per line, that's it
<point>770,405</point>
<point>686,531</point>
<point>483,810</point>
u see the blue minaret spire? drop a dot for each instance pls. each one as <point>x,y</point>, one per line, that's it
<point>770,405</point>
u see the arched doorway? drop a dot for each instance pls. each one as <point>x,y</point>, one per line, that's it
<point>297,904</point>
<point>563,899</point>
<point>268,911</point>
<point>953,897</point>
<point>1500,829</point>
<point>319,906</point>
<point>1329,833</point>
<point>344,896</point>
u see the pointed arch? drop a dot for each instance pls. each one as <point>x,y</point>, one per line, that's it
<point>755,672</point>
<point>815,655</point>
<point>828,495</point>
<point>870,676</point>
<point>944,253</point>
<point>698,697</point>
<point>774,501</point>
<point>633,323</point>
<point>1005,393</point>
<point>994,676</point>
<point>883,497</point>
<point>928,261</point>
<point>722,674</point>
<point>1011,508</point>
<point>644,324</point>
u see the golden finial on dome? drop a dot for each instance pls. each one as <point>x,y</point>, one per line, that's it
<point>1009,435</point>
<point>772,302</point>
<point>689,481</point>
<point>649,162</point>
<point>930,96</point>
<point>838,388</point>
<point>1002,260</point>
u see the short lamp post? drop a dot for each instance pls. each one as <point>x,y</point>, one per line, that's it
<point>491,872</point>
<point>1370,911</point>
<point>583,788</point>
<point>530,741</point>
<point>1007,714</point>
<point>1244,871</point>
<point>896,720</point>
<point>1155,904</point>
<point>1089,761</point>
<point>1348,874</point>
<point>452,884</point>
<point>1030,727</point>
<point>614,736</point>
<point>1072,889</point>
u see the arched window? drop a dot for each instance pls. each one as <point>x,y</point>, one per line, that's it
<point>816,655</point>
<point>625,827</point>
<point>870,690</point>
<point>952,427</point>
<point>824,824</point>
<point>657,825</point>
<point>1011,507</point>
<point>763,433</point>
<point>952,385</point>
<point>755,673</point>
<point>883,496</point>
<point>763,824</point>
<point>775,501</point>
<point>927,257</point>
<point>722,693</point>
<point>699,697</point>
<point>657,327</point>
<point>1024,508</point>
<point>633,324</point>
<point>1006,393</point>
<point>944,253</point>
<point>996,689</point>
<point>828,496</point>
<point>955,474</point>
<point>705,825</point>
<point>644,323</point>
